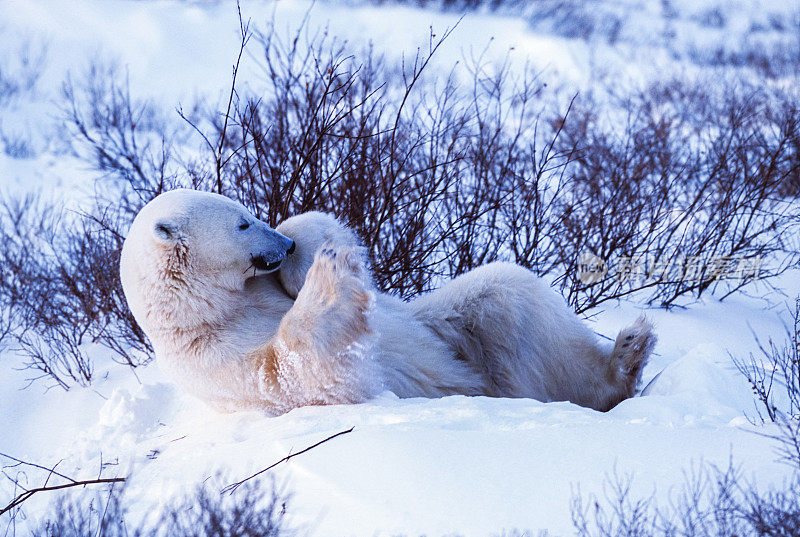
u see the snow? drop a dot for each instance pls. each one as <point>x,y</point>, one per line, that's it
<point>473,466</point>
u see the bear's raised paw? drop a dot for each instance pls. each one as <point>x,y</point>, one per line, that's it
<point>341,262</point>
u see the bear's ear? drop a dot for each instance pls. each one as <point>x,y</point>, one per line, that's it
<point>166,231</point>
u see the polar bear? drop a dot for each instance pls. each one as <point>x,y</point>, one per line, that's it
<point>248,317</point>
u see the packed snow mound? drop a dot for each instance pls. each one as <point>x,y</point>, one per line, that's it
<point>706,385</point>
<point>472,465</point>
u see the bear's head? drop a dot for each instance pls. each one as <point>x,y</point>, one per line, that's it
<point>187,249</point>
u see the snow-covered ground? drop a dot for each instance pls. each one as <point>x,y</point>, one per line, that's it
<point>473,466</point>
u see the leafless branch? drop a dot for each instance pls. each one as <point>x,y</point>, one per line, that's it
<point>230,489</point>
<point>27,494</point>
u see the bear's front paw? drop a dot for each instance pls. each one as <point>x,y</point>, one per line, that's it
<point>332,308</point>
<point>343,259</point>
<point>339,277</point>
<point>341,264</point>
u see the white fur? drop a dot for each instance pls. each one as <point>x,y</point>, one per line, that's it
<point>318,332</point>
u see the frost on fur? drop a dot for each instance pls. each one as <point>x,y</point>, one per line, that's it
<point>304,379</point>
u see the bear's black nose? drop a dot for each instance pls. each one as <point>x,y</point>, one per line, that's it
<point>291,249</point>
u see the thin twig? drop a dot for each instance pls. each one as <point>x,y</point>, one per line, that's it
<point>51,470</point>
<point>26,495</point>
<point>230,489</point>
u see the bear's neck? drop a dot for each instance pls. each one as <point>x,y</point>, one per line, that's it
<point>183,314</point>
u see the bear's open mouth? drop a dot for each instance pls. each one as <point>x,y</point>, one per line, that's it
<point>262,264</point>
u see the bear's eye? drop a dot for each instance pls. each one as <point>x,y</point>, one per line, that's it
<point>244,225</point>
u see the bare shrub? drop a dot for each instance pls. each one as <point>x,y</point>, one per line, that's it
<point>620,514</point>
<point>769,48</point>
<point>59,281</point>
<point>436,175</point>
<point>17,145</point>
<point>683,198</point>
<point>713,502</point>
<point>771,60</point>
<point>485,181</point>
<point>712,17</point>
<point>257,511</point>
<point>126,139</point>
<point>448,5</point>
<point>72,517</point>
<point>710,503</point>
<point>774,376</point>
<point>578,19</point>
<point>422,172</point>
<point>61,290</point>
<point>20,71</point>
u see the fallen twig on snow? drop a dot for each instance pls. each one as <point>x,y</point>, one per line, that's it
<point>28,493</point>
<point>230,489</point>
<point>17,501</point>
